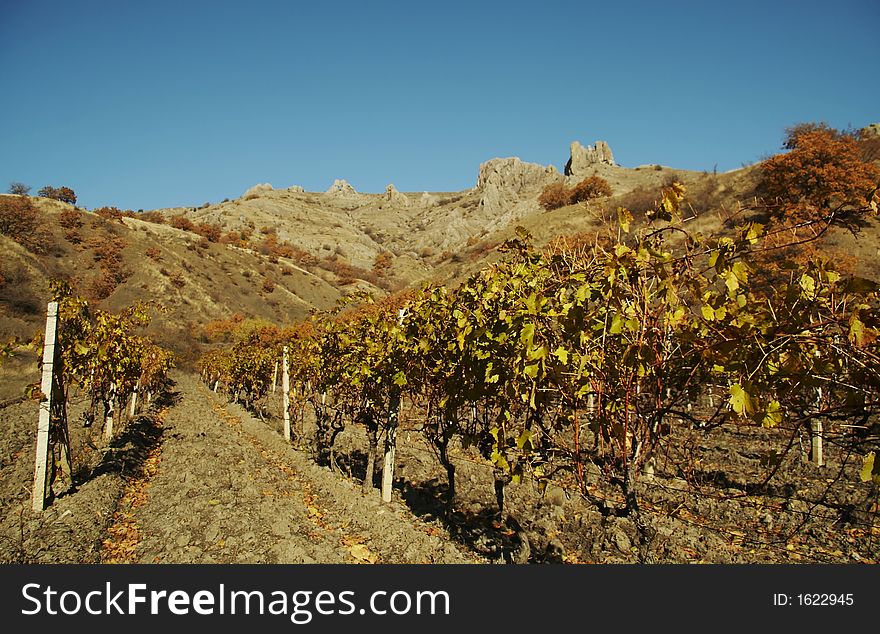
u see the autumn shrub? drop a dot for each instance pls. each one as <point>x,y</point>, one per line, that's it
<point>181,222</point>
<point>73,236</point>
<point>177,280</point>
<point>639,201</point>
<point>156,217</point>
<point>209,231</point>
<point>70,218</point>
<point>554,196</point>
<point>21,221</point>
<point>347,274</point>
<point>381,263</point>
<point>154,253</point>
<point>268,285</point>
<point>109,213</point>
<point>105,283</point>
<point>557,195</point>
<point>109,251</point>
<point>822,170</point>
<point>588,189</point>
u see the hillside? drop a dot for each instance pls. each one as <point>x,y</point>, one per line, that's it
<point>338,241</point>
<point>230,469</point>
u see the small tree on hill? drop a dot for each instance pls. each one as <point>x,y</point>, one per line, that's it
<point>19,189</point>
<point>63,194</point>
<point>823,170</point>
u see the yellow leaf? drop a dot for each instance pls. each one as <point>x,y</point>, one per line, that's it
<point>362,553</point>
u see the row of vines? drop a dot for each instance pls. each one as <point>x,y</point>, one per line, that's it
<point>102,360</point>
<point>591,354</point>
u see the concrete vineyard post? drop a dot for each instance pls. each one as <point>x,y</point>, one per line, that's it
<point>285,392</point>
<point>391,435</point>
<point>108,414</point>
<point>49,356</point>
<point>134,399</point>
<point>390,449</point>
<point>816,425</point>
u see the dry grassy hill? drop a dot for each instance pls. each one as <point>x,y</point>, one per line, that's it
<point>340,241</point>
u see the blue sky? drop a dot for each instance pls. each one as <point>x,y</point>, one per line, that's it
<point>151,104</point>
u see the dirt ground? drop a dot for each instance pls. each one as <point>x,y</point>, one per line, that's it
<point>196,479</point>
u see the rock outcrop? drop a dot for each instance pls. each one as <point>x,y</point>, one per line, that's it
<point>427,200</point>
<point>256,190</point>
<point>502,181</point>
<point>870,131</point>
<point>394,198</point>
<point>297,189</point>
<point>341,187</point>
<point>583,159</point>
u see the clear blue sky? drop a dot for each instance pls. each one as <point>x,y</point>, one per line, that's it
<point>146,104</point>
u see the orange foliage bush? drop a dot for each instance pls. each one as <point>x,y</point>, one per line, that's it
<point>209,231</point>
<point>21,221</point>
<point>590,188</point>
<point>823,170</point>
<point>70,219</point>
<point>181,222</point>
<point>109,213</point>
<point>156,217</point>
<point>554,196</point>
<point>557,195</point>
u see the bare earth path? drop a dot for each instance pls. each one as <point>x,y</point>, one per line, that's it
<point>222,487</point>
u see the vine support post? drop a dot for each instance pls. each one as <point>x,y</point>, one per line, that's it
<point>390,447</point>
<point>108,414</point>
<point>817,452</point>
<point>134,399</point>
<point>45,420</point>
<point>391,434</point>
<point>285,391</point>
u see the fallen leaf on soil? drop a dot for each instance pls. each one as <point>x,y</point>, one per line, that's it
<point>362,553</point>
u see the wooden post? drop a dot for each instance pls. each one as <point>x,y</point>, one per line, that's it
<point>275,372</point>
<point>285,393</point>
<point>40,467</point>
<point>216,383</point>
